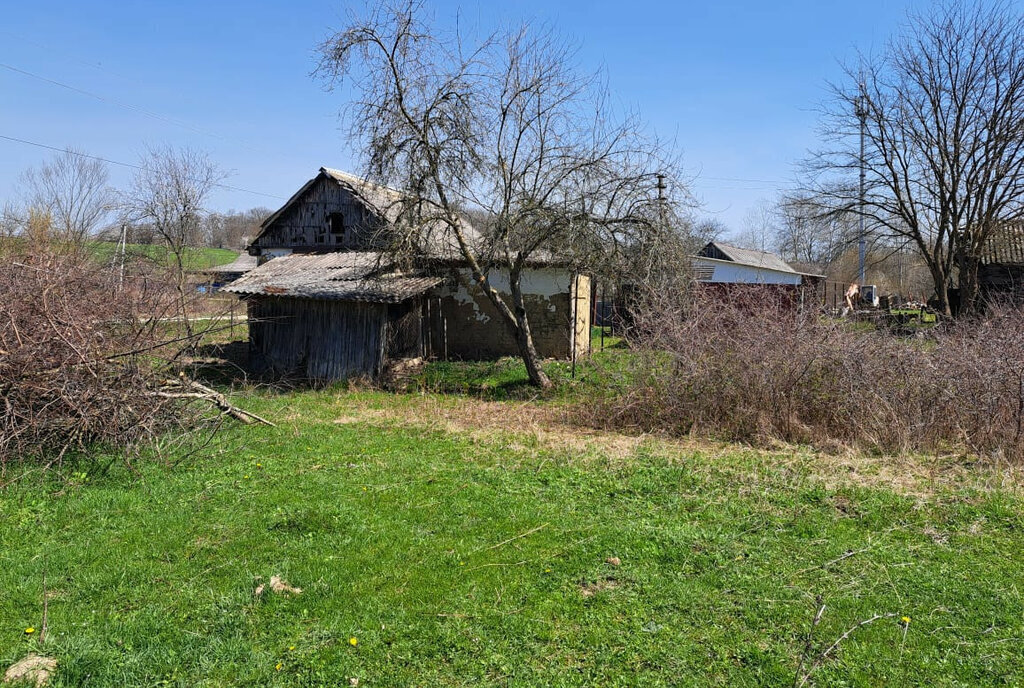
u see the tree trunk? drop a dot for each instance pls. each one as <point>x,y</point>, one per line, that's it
<point>524,338</point>
<point>520,326</point>
<point>970,289</point>
<point>529,354</point>
<point>941,293</point>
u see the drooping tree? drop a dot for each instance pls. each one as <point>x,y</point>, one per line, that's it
<point>507,130</point>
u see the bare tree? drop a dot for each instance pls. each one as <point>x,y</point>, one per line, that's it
<point>944,138</point>
<point>707,229</point>
<point>807,235</point>
<point>12,220</point>
<point>508,129</point>
<point>759,227</point>
<point>169,193</point>
<point>233,229</point>
<point>74,189</point>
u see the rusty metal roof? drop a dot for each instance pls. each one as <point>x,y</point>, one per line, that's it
<point>339,276</point>
<point>1005,246</point>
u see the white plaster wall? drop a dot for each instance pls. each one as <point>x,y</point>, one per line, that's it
<point>747,274</point>
<point>538,281</point>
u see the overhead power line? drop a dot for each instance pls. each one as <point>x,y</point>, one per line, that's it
<point>134,108</point>
<point>742,180</point>
<point>111,101</point>
<point>127,164</point>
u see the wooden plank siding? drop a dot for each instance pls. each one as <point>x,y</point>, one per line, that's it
<point>306,224</point>
<point>330,340</point>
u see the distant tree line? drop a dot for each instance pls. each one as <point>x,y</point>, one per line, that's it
<point>165,202</point>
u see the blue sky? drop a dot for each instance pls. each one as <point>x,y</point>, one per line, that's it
<point>736,84</point>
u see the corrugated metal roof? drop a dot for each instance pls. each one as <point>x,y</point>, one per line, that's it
<point>1005,246</point>
<point>746,256</point>
<point>243,263</point>
<point>341,276</point>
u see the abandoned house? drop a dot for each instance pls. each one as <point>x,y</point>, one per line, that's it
<point>1001,273</point>
<point>328,300</point>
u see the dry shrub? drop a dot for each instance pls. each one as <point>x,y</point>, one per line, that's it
<point>747,364</point>
<point>81,356</point>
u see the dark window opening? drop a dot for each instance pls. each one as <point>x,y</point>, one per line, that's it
<point>337,223</point>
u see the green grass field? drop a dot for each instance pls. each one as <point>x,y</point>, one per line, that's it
<point>197,258</point>
<point>454,541</point>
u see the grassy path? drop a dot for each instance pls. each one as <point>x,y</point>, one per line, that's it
<point>458,550</point>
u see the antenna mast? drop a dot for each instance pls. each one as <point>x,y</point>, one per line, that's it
<point>862,115</point>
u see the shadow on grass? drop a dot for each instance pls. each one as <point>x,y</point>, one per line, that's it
<point>226,365</point>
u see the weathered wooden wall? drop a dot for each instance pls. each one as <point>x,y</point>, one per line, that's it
<point>306,224</point>
<point>1002,282</point>
<point>405,330</point>
<point>316,339</point>
<point>582,304</point>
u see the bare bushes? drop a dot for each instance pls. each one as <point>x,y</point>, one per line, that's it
<point>79,356</point>
<point>749,365</point>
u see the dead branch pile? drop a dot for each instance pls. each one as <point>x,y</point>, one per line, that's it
<point>752,366</point>
<point>78,361</point>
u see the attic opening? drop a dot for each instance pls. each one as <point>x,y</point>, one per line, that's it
<point>336,223</point>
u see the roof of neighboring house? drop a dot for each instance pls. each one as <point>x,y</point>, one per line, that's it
<point>243,263</point>
<point>339,276</point>
<point>1005,246</point>
<point>745,256</point>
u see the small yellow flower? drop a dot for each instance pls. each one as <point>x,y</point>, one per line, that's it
<point>353,642</point>
<point>905,619</point>
<point>259,465</point>
<point>279,665</point>
<point>291,647</point>
<point>246,477</point>
<point>29,630</point>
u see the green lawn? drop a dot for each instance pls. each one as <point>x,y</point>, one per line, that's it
<point>463,542</point>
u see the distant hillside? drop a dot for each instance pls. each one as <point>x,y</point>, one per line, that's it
<point>196,258</point>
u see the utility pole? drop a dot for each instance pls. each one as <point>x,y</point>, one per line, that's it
<point>661,198</point>
<point>122,246</point>
<point>862,244</point>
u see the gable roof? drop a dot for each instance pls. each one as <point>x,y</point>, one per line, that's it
<point>436,238</point>
<point>744,256</point>
<point>338,276</point>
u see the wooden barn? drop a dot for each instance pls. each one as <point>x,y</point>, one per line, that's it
<point>328,302</point>
<point>1001,273</point>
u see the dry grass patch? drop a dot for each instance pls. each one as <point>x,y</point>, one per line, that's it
<point>531,428</point>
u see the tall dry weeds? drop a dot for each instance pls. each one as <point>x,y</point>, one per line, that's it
<point>82,353</point>
<point>748,365</point>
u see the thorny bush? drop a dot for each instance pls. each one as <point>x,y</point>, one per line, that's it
<point>82,357</point>
<point>750,365</point>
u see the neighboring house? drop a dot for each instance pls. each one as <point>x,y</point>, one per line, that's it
<point>220,275</point>
<point>330,301</point>
<point>720,263</point>
<point>1001,273</point>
